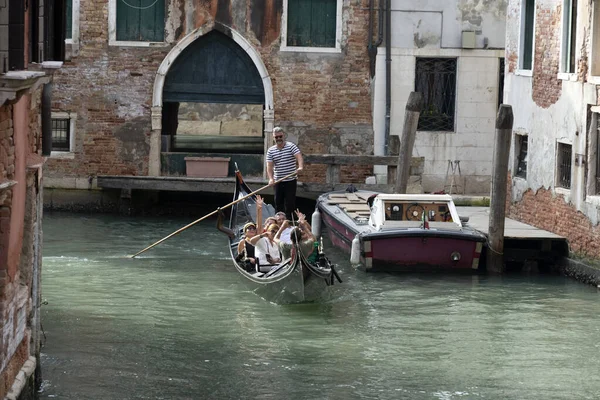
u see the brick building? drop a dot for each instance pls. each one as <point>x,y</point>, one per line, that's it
<point>148,83</point>
<point>552,52</point>
<point>26,42</point>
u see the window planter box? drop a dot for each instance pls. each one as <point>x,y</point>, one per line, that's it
<point>206,167</point>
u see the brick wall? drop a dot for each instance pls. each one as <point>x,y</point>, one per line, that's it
<point>324,98</point>
<point>16,273</point>
<point>546,86</point>
<point>551,212</point>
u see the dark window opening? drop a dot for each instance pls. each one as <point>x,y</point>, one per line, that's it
<point>436,80</point>
<point>141,20</point>
<point>61,134</point>
<point>572,36</point>
<point>501,82</point>
<point>68,19</point>
<point>521,145</point>
<point>564,166</point>
<point>311,23</point>
<point>528,35</point>
<point>16,35</point>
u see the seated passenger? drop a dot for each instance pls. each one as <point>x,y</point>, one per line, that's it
<point>308,243</point>
<point>267,248</point>
<point>246,250</point>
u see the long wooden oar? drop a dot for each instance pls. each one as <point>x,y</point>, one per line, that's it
<point>212,213</point>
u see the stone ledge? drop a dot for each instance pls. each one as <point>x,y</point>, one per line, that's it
<point>23,376</point>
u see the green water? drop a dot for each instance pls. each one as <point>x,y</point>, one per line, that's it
<point>178,323</point>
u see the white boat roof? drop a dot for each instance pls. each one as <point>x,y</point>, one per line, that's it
<point>415,197</point>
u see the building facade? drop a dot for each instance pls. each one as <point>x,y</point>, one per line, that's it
<point>148,83</point>
<point>26,43</point>
<point>453,53</point>
<point>552,52</point>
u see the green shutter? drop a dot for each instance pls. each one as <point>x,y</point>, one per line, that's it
<point>69,19</point>
<point>311,23</point>
<point>141,20</point>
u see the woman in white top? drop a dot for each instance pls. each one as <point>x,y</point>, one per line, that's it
<point>267,248</point>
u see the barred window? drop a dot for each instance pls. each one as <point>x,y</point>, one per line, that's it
<point>521,146</point>
<point>61,135</point>
<point>436,80</point>
<point>563,163</point>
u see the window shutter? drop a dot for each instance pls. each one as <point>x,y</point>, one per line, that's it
<point>141,20</point>
<point>311,23</point>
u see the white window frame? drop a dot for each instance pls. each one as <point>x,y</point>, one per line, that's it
<point>74,41</point>
<point>565,45</point>
<point>72,117</point>
<point>338,33</point>
<point>520,70</point>
<point>112,30</point>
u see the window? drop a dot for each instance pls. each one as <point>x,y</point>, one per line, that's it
<point>140,20</point>
<point>500,81</point>
<point>63,132</point>
<point>436,80</point>
<point>16,35</point>
<point>596,190</point>
<point>68,19</point>
<point>569,35</point>
<point>60,134</point>
<point>595,64</point>
<point>521,148</point>
<point>313,25</point>
<point>563,164</point>
<point>527,34</point>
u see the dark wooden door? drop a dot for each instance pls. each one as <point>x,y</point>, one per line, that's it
<point>214,69</point>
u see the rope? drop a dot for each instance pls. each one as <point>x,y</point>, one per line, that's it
<point>493,251</point>
<point>139,8</point>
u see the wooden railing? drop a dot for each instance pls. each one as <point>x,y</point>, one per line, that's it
<point>334,163</point>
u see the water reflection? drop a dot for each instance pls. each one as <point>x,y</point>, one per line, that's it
<point>178,323</point>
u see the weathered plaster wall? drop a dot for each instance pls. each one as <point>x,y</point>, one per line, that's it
<point>322,99</point>
<point>551,107</point>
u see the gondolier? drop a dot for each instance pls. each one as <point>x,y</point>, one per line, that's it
<point>283,158</point>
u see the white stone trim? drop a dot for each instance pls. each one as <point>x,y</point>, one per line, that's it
<point>159,81</point>
<point>522,38</point>
<point>74,41</point>
<point>565,39</point>
<point>112,30</point>
<point>72,117</point>
<point>338,34</point>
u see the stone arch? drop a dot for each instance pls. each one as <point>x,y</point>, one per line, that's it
<point>167,63</point>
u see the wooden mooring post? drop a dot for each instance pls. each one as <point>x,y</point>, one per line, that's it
<point>407,142</point>
<point>495,251</point>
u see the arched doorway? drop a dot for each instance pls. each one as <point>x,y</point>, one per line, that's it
<point>215,100</point>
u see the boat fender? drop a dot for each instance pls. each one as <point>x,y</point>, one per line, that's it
<point>316,223</point>
<point>355,251</point>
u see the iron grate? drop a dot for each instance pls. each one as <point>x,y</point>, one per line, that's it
<point>436,80</point>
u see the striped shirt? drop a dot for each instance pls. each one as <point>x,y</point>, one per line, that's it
<point>284,160</point>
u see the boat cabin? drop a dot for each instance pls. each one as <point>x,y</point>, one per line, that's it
<point>393,211</point>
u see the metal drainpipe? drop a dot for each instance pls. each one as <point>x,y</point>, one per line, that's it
<point>388,73</point>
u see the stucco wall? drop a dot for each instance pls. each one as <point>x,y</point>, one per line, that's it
<point>434,29</point>
<point>551,107</point>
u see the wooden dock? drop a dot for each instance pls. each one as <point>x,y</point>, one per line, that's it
<point>522,242</point>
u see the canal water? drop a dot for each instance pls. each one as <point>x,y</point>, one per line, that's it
<point>178,323</point>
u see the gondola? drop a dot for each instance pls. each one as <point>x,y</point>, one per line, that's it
<point>294,280</point>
